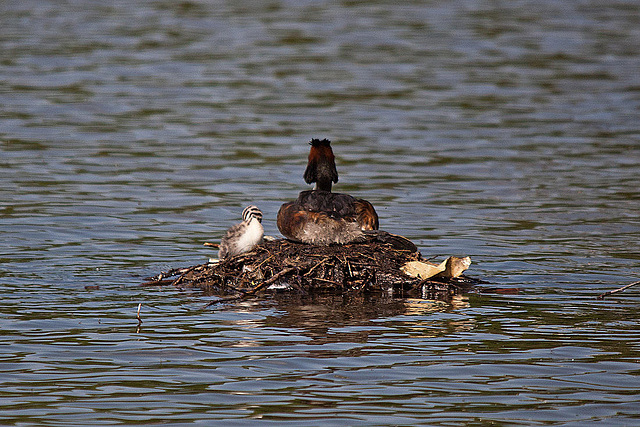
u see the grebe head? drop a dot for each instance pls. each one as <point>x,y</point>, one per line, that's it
<point>321,167</point>
<point>251,212</point>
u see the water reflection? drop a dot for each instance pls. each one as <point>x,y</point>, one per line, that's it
<point>338,318</point>
<point>131,132</point>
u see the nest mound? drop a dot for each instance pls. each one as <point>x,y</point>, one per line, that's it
<point>283,265</point>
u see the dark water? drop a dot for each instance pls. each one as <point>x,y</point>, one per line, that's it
<point>132,132</point>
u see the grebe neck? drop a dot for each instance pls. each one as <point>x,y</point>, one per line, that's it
<point>321,167</point>
<point>323,185</point>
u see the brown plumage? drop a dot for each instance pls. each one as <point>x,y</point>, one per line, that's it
<point>319,216</point>
<point>321,167</point>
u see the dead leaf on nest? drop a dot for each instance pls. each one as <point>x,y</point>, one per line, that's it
<point>449,268</point>
<point>422,270</point>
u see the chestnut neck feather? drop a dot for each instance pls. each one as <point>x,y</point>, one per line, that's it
<point>321,167</point>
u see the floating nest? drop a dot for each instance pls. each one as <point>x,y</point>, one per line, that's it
<point>372,267</point>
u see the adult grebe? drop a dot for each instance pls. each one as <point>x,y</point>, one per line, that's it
<point>244,236</point>
<point>319,216</point>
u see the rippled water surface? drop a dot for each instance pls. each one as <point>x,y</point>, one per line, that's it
<point>132,132</point>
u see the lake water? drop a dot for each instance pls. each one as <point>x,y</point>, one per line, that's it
<point>132,132</point>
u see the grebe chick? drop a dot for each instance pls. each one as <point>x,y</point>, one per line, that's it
<point>244,236</point>
<point>319,216</point>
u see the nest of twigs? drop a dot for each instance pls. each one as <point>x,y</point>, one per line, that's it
<point>373,267</point>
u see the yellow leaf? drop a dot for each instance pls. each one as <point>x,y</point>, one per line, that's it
<point>449,268</point>
<point>422,270</point>
<point>455,266</point>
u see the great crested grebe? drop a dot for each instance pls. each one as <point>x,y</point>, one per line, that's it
<point>319,216</point>
<point>244,236</point>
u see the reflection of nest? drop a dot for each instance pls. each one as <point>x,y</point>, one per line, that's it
<point>371,267</point>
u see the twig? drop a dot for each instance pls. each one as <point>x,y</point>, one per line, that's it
<point>158,282</point>
<point>160,277</point>
<point>327,281</point>
<point>270,280</point>
<point>348,265</point>
<point>253,290</point>
<point>265,260</point>
<point>367,256</point>
<point>317,265</point>
<point>139,319</point>
<point>185,272</point>
<point>615,291</point>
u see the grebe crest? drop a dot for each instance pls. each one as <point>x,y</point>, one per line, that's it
<point>319,216</point>
<point>243,237</point>
<point>321,167</point>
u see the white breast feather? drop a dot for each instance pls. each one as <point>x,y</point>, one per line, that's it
<point>251,237</point>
